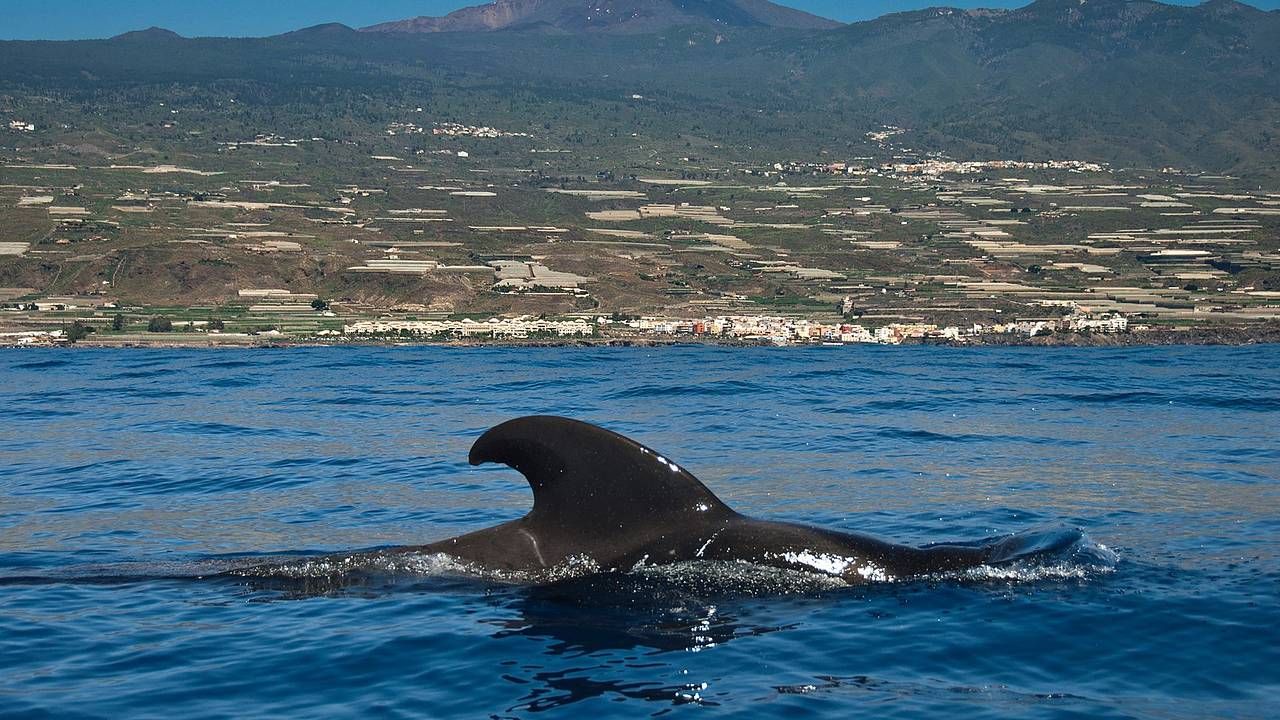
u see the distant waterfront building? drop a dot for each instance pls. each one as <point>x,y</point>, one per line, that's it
<point>1115,323</point>
<point>497,328</point>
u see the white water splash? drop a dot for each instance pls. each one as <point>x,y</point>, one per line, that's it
<point>835,565</point>
<point>714,577</point>
<point>804,571</point>
<point>423,565</point>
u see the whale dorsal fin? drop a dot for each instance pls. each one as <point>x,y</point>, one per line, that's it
<point>586,479</point>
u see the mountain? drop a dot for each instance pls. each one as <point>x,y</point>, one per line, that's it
<point>1127,81</point>
<point>630,16</point>
<point>326,31</point>
<point>151,34</point>
<point>1131,82</point>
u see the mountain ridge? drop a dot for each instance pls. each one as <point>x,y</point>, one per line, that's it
<point>627,16</point>
<point>1120,81</point>
<point>152,33</point>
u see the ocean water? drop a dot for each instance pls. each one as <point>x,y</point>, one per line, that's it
<point>130,479</point>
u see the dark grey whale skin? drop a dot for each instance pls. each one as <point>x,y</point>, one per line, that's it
<point>602,496</point>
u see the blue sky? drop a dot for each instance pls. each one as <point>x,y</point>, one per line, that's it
<point>74,19</point>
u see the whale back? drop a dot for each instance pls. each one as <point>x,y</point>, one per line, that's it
<point>591,482</point>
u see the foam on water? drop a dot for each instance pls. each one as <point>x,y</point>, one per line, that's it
<point>416,564</point>
<point>1028,557</point>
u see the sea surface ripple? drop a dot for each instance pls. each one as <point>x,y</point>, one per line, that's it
<point>130,478</point>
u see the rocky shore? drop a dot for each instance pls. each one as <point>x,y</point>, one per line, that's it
<point>1257,334</point>
<point>1225,335</point>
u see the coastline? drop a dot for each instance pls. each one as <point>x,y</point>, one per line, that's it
<point>1232,336</point>
<point>1224,336</point>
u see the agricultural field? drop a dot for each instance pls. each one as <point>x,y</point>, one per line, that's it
<point>200,211</point>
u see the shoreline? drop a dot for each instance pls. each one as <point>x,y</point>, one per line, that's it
<point>1227,336</point>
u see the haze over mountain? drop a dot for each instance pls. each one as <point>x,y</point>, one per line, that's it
<point>636,16</point>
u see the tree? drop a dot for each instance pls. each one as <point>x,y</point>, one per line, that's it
<point>117,322</point>
<point>319,305</point>
<point>77,331</point>
<point>217,324</point>
<point>159,324</point>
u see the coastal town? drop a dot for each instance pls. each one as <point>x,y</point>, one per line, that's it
<point>749,328</point>
<point>444,231</point>
<point>734,329</point>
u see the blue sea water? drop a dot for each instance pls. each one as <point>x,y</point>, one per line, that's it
<point>129,478</point>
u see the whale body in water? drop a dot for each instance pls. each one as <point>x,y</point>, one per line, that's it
<point>604,498</point>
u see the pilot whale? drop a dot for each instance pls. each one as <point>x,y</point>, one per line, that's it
<point>606,499</point>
